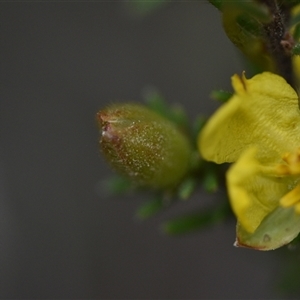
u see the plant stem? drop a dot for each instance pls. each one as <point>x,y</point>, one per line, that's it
<point>279,41</point>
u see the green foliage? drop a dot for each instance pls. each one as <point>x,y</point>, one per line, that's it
<point>296,34</point>
<point>289,3</point>
<point>195,221</point>
<point>175,113</point>
<point>186,188</point>
<point>295,19</point>
<point>118,185</point>
<point>142,8</point>
<point>150,208</point>
<point>296,49</point>
<point>220,95</point>
<point>210,179</point>
<point>216,3</point>
<point>249,24</point>
<point>243,23</point>
<point>255,11</point>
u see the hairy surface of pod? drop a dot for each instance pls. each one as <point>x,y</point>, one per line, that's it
<point>143,145</point>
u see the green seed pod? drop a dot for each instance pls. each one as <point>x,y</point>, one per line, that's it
<point>143,145</point>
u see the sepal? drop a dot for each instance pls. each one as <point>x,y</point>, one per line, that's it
<point>278,229</point>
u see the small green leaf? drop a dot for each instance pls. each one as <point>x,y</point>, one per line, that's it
<point>294,11</point>
<point>197,127</point>
<point>296,49</point>
<point>210,180</point>
<point>216,3</point>
<point>192,222</point>
<point>296,33</point>
<point>243,23</point>
<point>156,102</point>
<point>117,185</point>
<point>220,95</point>
<point>186,188</point>
<point>150,208</point>
<point>291,3</point>
<point>249,24</point>
<point>143,8</point>
<point>295,19</point>
<point>254,10</point>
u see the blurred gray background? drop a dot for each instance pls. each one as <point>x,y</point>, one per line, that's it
<point>59,236</point>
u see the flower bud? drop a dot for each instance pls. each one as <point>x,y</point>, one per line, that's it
<point>143,145</point>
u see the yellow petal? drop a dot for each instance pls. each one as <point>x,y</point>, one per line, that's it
<point>263,113</point>
<point>254,189</point>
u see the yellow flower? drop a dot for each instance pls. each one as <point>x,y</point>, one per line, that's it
<point>259,130</point>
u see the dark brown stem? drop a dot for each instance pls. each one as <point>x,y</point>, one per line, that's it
<point>278,41</point>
